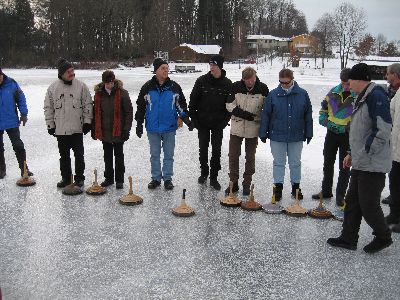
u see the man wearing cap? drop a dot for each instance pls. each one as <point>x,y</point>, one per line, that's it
<point>370,158</point>
<point>113,115</point>
<point>11,99</point>
<point>207,108</point>
<point>68,111</point>
<point>161,102</point>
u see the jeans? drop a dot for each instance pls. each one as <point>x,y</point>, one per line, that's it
<point>116,150</point>
<point>65,144</point>
<point>235,145</point>
<point>166,141</point>
<point>279,152</point>
<point>333,142</point>
<point>216,143</point>
<point>363,200</point>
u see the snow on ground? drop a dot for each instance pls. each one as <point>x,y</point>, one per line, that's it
<point>58,247</point>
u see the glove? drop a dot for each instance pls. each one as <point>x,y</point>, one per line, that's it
<point>308,140</point>
<point>189,123</point>
<point>125,135</point>
<point>263,139</point>
<point>86,128</point>
<point>139,130</point>
<point>52,131</point>
<point>23,119</point>
<point>238,112</point>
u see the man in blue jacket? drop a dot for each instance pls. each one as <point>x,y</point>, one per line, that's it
<point>12,99</point>
<point>160,103</point>
<point>370,158</point>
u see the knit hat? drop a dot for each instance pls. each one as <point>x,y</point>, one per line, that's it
<point>158,62</point>
<point>360,72</point>
<point>217,60</point>
<point>108,76</point>
<point>63,65</point>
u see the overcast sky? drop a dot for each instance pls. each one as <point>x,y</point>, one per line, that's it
<point>383,16</point>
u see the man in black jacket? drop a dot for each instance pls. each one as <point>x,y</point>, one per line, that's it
<point>207,109</point>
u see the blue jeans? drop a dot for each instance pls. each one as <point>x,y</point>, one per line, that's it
<point>167,142</point>
<point>293,151</point>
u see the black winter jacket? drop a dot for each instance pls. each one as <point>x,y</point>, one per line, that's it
<point>207,106</point>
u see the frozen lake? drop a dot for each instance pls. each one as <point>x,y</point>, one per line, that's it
<point>59,247</point>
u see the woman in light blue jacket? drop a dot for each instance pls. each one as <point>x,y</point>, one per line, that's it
<point>286,120</point>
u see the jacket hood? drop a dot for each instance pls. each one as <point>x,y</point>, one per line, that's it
<point>118,84</point>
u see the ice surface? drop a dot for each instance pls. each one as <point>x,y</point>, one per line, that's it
<point>54,246</point>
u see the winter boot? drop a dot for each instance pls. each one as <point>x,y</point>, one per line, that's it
<point>202,179</point>
<point>215,184</point>
<point>339,242</point>
<point>277,190</point>
<point>324,195</point>
<point>387,200</point>
<point>107,182</point>
<point>246,189</point>
<point>396,228</point>
<point>296,186</point>
<point>339,200</point>
<point>235,188</point>
<point>168,185</point>
<point>21,158</point>
<point>63,183</point>
<point>2,165</point>
<point>392,218</point>
<point>378,244</point>
<point>153,184</point>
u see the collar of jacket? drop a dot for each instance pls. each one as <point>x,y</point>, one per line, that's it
<point>282,92</point>
<point>255,88</point>
<point>5,79</point>
<point>166,85</point>
<point>339,90</point>
<point>213,79</point>
<point>364,94</point>
<point>118,84</point>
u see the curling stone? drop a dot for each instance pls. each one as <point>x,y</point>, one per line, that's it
<point>131,198</point>
<point>296,210</point>
<point>96,189</point>
<point>231,200</point>
<point>251,204</point>
<point>72,189</point>
<point>273,207</point>
<point>26,180</point>
<point>320,212</point>
<point>183,210</point>
<point>338,214</point>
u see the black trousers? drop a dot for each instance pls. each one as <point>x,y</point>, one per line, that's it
<point>394,187</point>
<point>333,143</point>
<point>116,150</point>
<point>363,200</point>
<point>17,144</point>
<point>216,142</point>
<point>65,144</point>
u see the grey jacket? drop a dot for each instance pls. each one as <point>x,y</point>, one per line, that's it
<point>68,107</point>
<point>370,131</point>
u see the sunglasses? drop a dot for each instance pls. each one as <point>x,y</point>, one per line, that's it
<point>285,82</point>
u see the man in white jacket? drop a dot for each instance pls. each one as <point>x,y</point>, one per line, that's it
<point>393,77</point>
<point>68,111</point>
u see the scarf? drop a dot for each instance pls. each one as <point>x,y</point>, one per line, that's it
<point>117,115</point>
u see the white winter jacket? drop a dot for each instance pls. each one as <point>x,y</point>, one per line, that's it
<point>395,113</point>
<point>68,107</point>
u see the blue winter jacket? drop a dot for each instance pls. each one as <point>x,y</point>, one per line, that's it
<point>287,117</point>
<point>160,106</point>
<point>12,99</point>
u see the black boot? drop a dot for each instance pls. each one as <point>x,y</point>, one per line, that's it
<point>378,244</point>
<point>21,158</point>
<point>215,184</point>
<point>277,190</point>
<point>296,186</point>
<point>235,188</point>
<point>246,189</point>
<point>2,165</point>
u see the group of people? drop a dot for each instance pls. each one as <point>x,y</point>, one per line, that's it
<point>357,113</point>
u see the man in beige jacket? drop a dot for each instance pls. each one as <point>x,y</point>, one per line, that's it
<point>245,105</point>
<point>68,111</point>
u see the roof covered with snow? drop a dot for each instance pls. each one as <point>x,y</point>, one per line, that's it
<point>267,37</point>
<point>203,49</point>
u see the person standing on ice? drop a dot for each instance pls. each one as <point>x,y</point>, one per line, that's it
<point>245,105</point>
<point>68,111</point>
<point>393,77</point>
<point>207,108</point>
<point>369,158</point>
<point>161,102</point>
<point>286,120</point>
<point>12,100</point>
<point>113,115</point>
<point>335,115</point>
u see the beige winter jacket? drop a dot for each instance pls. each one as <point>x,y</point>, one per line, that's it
<point>395,113</point>
<point>68,107</point>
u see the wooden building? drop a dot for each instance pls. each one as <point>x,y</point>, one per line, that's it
<point>194,53</point>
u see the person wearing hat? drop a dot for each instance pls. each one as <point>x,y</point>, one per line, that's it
<point>112,122</point>
<point>160,103</point>
<point>369,158</point>
<point>12,100</point>
<point>68,111</point>
<point>207,109</point>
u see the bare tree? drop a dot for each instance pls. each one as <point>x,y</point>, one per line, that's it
<point>324,31</point>
<point>380,43</point>
<point>349,25</point>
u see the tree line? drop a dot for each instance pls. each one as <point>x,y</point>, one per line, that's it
<point>38,31</point>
